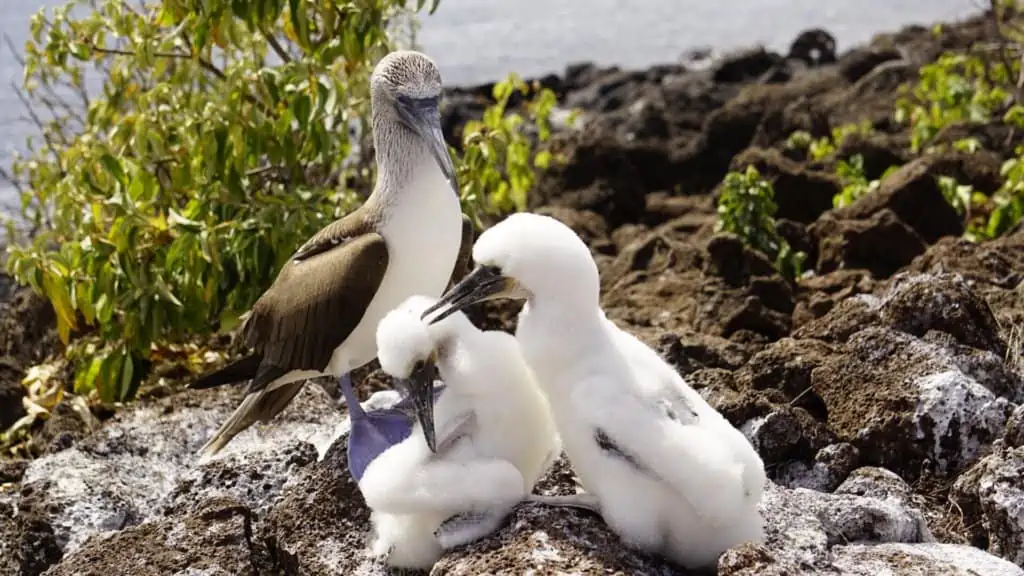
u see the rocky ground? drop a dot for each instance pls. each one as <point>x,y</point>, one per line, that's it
<point>885,391</point>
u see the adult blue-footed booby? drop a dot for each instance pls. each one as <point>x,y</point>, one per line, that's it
<point>665,470</point>
<point>495,437</point>
<point>320,315</point>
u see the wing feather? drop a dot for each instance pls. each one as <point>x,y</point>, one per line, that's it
<point>316,301</point>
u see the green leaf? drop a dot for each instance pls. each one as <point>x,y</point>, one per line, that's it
<point>57,292</point>
<point>297,11</point>
<point>176,220</point>
<point>127,372</point>
<point>84,303</point>
<point>113,167</point>
<point>165,292</point>
<point>89,376</point>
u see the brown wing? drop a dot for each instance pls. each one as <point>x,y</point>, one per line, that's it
<point>333,235</point>
<point>316,301</point>
<point>465,259</point>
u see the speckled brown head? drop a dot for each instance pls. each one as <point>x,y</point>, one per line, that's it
<point>408,73</point>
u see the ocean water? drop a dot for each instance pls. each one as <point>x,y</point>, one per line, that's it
<point>476,41</point>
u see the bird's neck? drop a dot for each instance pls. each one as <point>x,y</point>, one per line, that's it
<point>401,155</point>
<point>556,340</point>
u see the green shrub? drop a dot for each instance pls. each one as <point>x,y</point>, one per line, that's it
<point>958,87</point>
<point>960,196</point>
<point>821,148</point>
<point>500,161</point>
<point>746,207</point>
<point>980,86</point>
<point>168,204</point>
<point>855,183</point>
<point>1008,200</point>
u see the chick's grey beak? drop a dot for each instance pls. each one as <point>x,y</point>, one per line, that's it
<point>420,387</point>
<point>482,284</point>
<point>422,116</point>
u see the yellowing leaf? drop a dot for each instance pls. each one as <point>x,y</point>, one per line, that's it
<point>57,292</point>
<point>159,222</point>
<point>127,371</point>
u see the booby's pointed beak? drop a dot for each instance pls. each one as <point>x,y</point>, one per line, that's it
<point>420,388</point>
<point>482,284</point>
<point>422,116</point>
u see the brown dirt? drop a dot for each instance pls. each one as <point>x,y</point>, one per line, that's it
<point>27,335</point>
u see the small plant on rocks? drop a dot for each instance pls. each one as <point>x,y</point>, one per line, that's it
<point>983,85</point>
<point>821,148</point>
<point>855,183</point>
<point>746,207</point>
<point>980,85</point>
<point>1009,199</point>
<point>955,88</point>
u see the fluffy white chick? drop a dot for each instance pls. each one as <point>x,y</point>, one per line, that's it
<point>666,471</point>
<point>495,436</point>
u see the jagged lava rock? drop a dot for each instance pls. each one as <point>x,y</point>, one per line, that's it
<point>215,537</point>
<point>991,495</point>
<point>143,464</point>
<point>907,385</point>
<point>28,545</point>
<point>321,525</point>
<point>913,194</point>
<point>880,243</point>
<point>871,525</point>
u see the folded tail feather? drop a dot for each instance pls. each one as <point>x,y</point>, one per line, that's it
<point>260,406</point>
<point>238,371</point>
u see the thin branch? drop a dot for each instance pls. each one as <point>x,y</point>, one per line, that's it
<point>40,125</point>
<point>207,65</point>
<point>11,180</point>
<point>248,96</point>
<point>281,52</point>
<point>262,170</point>
<point>14,51</point>
<point>55,115</point>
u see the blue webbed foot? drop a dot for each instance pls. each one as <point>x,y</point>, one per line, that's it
<point>371,434</point>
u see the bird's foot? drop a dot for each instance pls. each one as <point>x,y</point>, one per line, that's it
<point>468,527</point>
<point>582,501</point>
<point>345,379</point>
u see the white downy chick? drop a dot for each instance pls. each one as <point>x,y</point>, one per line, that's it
<point>665,470</point>
<point>495,438</point>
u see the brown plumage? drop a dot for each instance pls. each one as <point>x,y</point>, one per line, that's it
<point>282,330</point>
<point>321,295</point>
<point>333,275</point>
